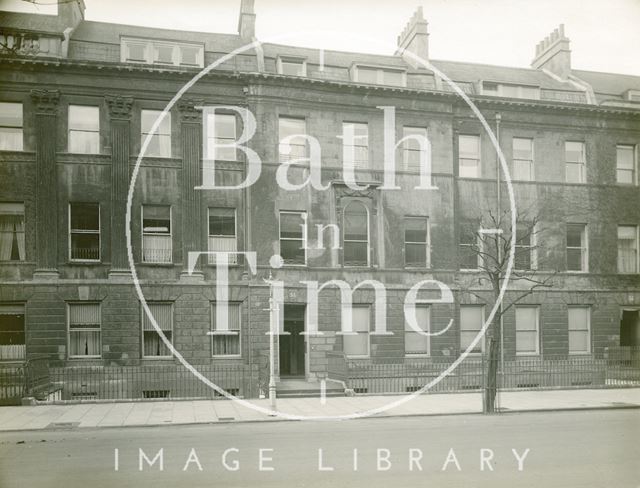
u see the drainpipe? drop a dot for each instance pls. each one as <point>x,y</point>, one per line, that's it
<point>499,205</point>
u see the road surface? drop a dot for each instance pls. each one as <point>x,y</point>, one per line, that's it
<point>547,449</point>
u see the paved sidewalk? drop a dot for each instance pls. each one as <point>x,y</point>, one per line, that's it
<point>152,413</point>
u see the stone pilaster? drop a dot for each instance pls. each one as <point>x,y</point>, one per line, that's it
<point>120,117</point>
<point>192,221</point>
<point>46,111</point>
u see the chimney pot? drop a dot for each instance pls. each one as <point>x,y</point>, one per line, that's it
<point>553,53</point>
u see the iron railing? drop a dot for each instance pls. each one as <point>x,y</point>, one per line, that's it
<point>615,367</point>
<point>170,381</point>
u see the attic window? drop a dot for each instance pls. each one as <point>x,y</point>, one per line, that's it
<point>509,90</point>
<point>633,95</point>
<point>161,53</point>
<point>291,66</point>
<point>374,75</point>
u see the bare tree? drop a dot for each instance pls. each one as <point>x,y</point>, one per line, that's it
<point>490,241</point>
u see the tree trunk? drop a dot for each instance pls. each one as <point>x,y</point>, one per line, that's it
<point>491,380</point>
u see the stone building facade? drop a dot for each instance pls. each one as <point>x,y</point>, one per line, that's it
<point>78,98</point>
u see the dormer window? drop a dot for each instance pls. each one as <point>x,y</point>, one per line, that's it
<point>163,53</point>
<point>377,75</point>
<point>290,66</point>
<point>508,90</point>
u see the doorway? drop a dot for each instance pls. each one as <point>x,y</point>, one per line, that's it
<point>292,346</point>
<point>630,328</point>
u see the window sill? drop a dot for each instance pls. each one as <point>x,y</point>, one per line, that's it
<point>235,356</point>
<point>160,265</point>
<point>84,263</point>
<point>156,358</point>
<point>417,356</point>
<point>83,358</point>
<point>532,355</point>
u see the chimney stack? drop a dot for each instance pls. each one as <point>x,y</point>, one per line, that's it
<point>414,39</point>
<point>71,12</point>
<point>247,20</point>
<point>553,54</point>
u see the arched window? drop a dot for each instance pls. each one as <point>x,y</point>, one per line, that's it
<point>356,235</point>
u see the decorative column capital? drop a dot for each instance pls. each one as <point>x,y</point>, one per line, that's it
<point>46,101</point>
<point>119,106</point>
<point>189,110</point>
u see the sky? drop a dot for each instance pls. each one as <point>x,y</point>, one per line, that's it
<point>605,35</point>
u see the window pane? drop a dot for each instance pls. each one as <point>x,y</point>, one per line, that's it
<point>469,168</point>
<point>10,114</point>
<point>578,318</point>
<point>84,329</point>
<point>471,318</point>
<point>574,152</point>
<point>84,118</point>
<point>367,75</point>
<point>222,222</point>
<point>148,118</point>
<point>522,170</point>
<point>12,332</point>
<point>625,157</point>
<point>153,345</point>
<point>574,259</point>
<point>526,342</point>
<point>292,68</point>
<point>415,230</point>
<point>522,148</point>
<point>85,216</point>
<point>12,236</point>
<point>189,56</point>
<point>136,52</point>
<point>163,54</point>
<point>394,78</point>
<point>575,235</point>
<point>291,225</point>
<point>416,255</point>
<point>355,253</point>
<point>355,222</point>
<point>156,218</point>
<point>578,341</point>
<point>627,249</point>
<point>225,126</point>
<point>227,344</point>
<point>526,318</point>
<point>574,173</point>
<point>469,147</point>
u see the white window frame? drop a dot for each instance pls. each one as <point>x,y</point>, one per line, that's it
<point>142,318</point>
<point>380,70</point>
<point>357,163</point>
<point>634,168</point>
<point>427,243</point>
<point>169,235</point>
<point>20,146</point>
<point>537,331</point>
<point>529,228</point>
<point>81,231</point>
<point>530,162</point>
<point>303,240</point>
<point>233,258</point>
<point>70,130</point>
<point>479,244</point>
<point>354,332</point>
<point>501,88</point>
<point>99,329</point>
<point>582,165</point>
<point>584,249</point>
<point>344,235</point>
<point>587,330</point>
<point>406,150</point>
<point>478,159</point>
<point>637,250</point>
<point>291,60</point>
<point>213,332</point>
<point>149,52</point>
<point>461,330</point>
<point>12,209</point>
<point>157,133</point>
<point>292,154</point>
<point>408,331</point>
<point>217,116</point>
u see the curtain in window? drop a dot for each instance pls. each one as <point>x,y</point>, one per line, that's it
<point>627,249</point>
<point>153,343</point>
<point>6,237</point>
<point>227,344</point>
<point>84,329</point>
<point>156,249</point>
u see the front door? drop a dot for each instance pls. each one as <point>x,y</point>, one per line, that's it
<point>292,346</point>
<point>630,328</point>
